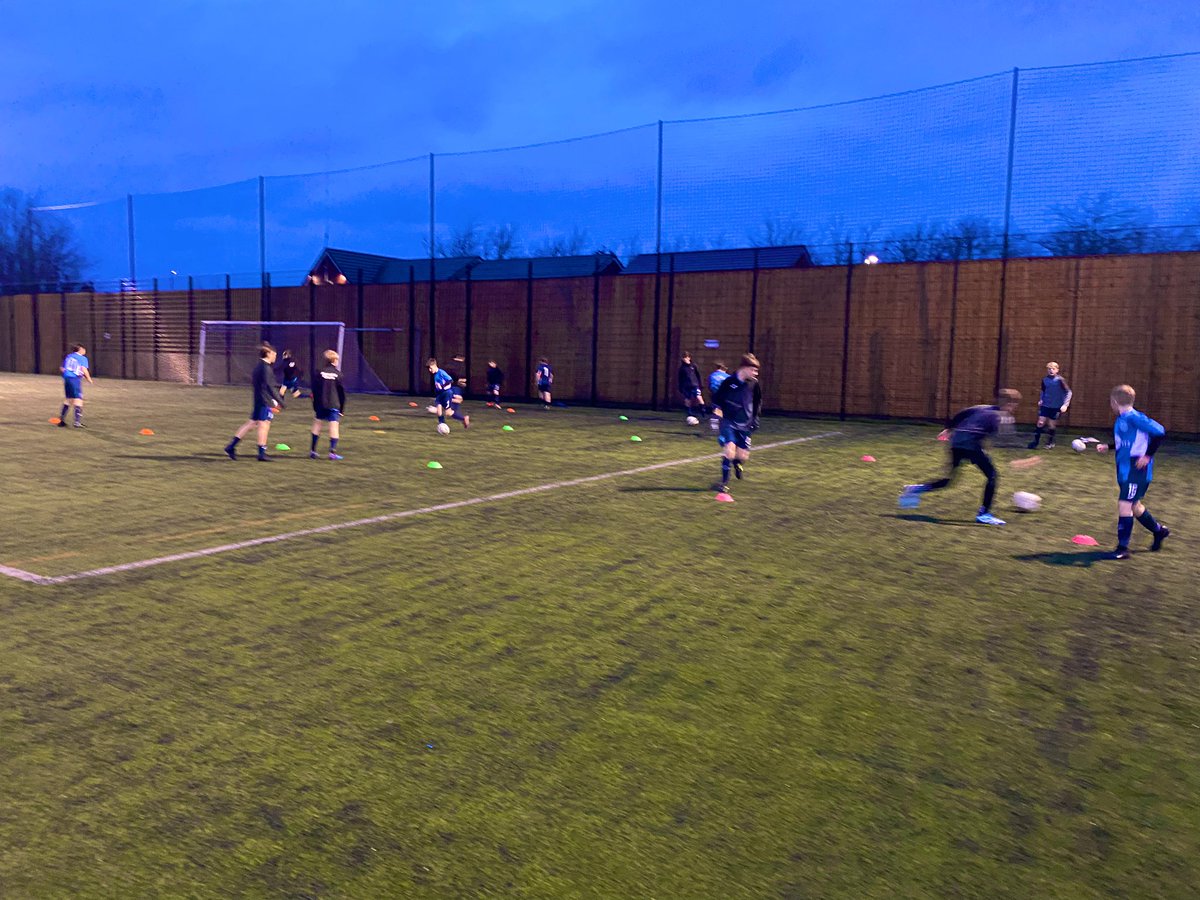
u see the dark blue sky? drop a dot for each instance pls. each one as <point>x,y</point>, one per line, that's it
<point>101,100</point>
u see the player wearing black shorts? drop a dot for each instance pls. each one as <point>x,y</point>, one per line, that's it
<point>1053,401</point>
<point>738,404</point>
<point>329,405</point>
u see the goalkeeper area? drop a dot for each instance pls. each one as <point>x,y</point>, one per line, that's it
<point>555,666</point>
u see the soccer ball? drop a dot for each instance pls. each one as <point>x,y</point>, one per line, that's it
<point>1078,445</point>
<point>443,428</point>
<point>1026,501</point>
<point>692,420</point>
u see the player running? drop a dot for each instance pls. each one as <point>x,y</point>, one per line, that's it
<point>715,378</point>
<point>967,432</point>
<point>74,372</point>
<point>738,404</point>
<point>689,389</point>
<point>1136,438</point>
<point>329,405</point>
<point>456,402</point>
<point>545,379</point>
<point>495,378</point>
<point>441,390</point>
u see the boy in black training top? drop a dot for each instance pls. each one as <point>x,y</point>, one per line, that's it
<point>495,378</point>
<point>968,430</point>
<point>291,373</point>
<point>689,388</point>
<point>738,404</point>
<point>1052,403</point>
<point>267,397</point>
<point>329,404</point>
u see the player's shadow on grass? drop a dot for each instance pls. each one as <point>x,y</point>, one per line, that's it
<point>168,457</point>
<point>929,520</point>
<point>681,490</point>
<point>1081,558</point>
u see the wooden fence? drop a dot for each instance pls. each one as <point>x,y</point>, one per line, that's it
<point>915,340</point>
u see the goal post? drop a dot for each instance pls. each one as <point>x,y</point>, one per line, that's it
<point>228,351</point>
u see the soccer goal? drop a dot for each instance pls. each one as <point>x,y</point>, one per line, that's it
<point>229,351</point>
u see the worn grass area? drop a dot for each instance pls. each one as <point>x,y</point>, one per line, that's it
<point>620,689</point>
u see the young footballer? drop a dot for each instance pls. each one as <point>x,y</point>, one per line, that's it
<point>738,404</point>
<point>74,372</point>
<point>495,378</point>
<point>718,375</point>
<point>1136,438</point>
<point>267,401</point>
<point>441,390</point>
<point>291,373</point>
<point>456,401</point>
<point>329,404</point>
<point>967,431</point>
<point>545,378</point>
<point>689,387</point>
<point>1052,403</point>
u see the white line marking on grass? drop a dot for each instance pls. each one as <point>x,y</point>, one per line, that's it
<point>376,520</point>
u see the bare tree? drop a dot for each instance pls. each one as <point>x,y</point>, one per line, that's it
<point>37,253</point>
<point>571,244</point>
<point>1100,224</point>
<point>776,231</point>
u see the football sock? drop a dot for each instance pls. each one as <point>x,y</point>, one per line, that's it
<point>441,420</point>
<point>1037,437</point>
<point>78,414</point>
<point>236,440</point>
<point>1124,530</point>
<point>1148,521</point>
<point>63,415</point>
<point>725,466</point>
<point>315,438</point>
<point>333,442</point>
<point>262,449</point>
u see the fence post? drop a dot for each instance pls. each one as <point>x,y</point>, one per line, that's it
<point>1008,185</point>
<point>846,327</point>
<point>657,336</point>
<point>262,230</point>
<point>467,332</point>
<point>132,253</point>
<point>529,331</point>
<point>413,348</point>
<point>595,329</point>
<point>191,320</point>
<point>228,316</point>
<point>37,334</point>
<point>668,357</point>
<point>94,345</point>
<point>312,336</point>
<point>753,301</point>
<point>953,330</point>
<point>154,333</point>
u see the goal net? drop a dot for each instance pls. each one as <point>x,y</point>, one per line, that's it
<point>229,352</point>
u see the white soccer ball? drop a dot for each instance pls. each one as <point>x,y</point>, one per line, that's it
<point>692,420</point>
<point>1026,501</point>
<point>1078,445</point>
<point>443,428</point>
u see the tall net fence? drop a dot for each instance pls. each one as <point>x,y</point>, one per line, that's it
<point>1066,161</point>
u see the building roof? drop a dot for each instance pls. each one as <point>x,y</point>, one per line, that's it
<point>378,269</point>
<point>787,257</point>
<point>604,263</point>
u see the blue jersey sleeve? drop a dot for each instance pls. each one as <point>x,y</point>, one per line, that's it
<point>1147,424</point>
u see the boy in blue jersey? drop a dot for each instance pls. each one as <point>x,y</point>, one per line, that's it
<point>456,400</point>
<point>1136,438</point>
<point>689,388</point>
<point>495,378</point>
<point>267,402</point>
<point>74,372</point>
<point>967,432</point>
<point>441,390</point>
<point>715,378</point>
<point>738,404</point>
<point>1052,403</point>
<point>329,405</point>
<point>544,376</point>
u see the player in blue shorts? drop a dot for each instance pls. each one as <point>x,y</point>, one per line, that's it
<point>74,372</point>
<point>689,388</point>
<point>456,400</point>
<point>329,405</point>
<point>1052,403</point>
<point>738,404</point>
<point>267,401</point>
<point>1136,438</point>
<point>715,378</point>
<point>967,431</point>
<point>441,389</point>
<point>495,378</point>
<point>544,376</point>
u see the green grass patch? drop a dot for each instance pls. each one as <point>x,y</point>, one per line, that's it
<point>618,689</point>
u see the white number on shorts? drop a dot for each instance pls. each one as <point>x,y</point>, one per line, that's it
<point>1133,491</point>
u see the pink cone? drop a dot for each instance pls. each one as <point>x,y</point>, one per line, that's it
<point>724,498</point>
<point>868,459</point>
<point>1085,539</point>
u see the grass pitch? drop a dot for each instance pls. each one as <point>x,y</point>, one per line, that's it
<point>616,689</point>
